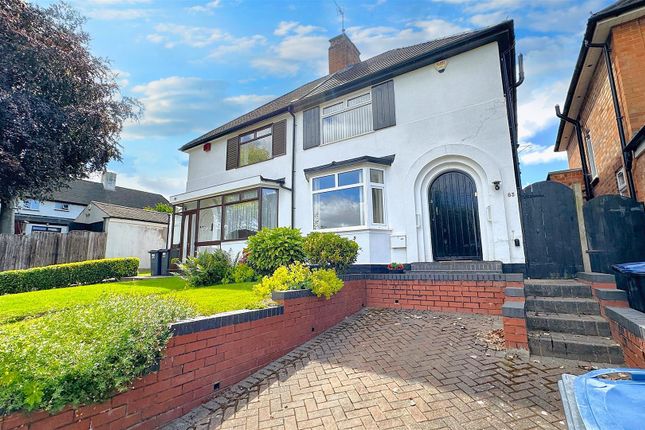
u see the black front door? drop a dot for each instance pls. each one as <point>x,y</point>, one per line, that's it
<point>454,220</point>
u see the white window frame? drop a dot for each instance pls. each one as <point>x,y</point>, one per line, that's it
<point>28,205</point>
<point>622,188</point>
<point>64,207</point>
<point>366,206</point>
<point>343,109</point>
<point>590,155</point>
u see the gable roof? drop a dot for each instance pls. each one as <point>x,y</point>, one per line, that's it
<point>614,10</point>
<point>382,66</point>
<point>122,212</point>
<point>82,192</point>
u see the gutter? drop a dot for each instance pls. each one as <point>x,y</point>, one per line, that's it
<point>583,156</point>
<point>293,166</point>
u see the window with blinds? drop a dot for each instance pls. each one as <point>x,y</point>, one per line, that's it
<point>349,118</point>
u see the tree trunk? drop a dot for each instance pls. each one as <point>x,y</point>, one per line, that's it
<point>7,216</point>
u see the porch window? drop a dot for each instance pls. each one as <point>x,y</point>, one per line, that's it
<point>228,217</point>
<point>349,118</point>
<point>377,189</point>
<point>256,146</point>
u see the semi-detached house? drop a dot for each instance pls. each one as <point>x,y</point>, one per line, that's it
<point>412,153</point>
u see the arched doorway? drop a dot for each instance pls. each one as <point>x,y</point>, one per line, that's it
<point>454,219</point>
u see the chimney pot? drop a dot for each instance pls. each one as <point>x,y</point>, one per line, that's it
<point>342,53</point>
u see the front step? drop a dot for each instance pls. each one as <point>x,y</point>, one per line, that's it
<point>591,325</point>
<point>575,347</point>
<point>458,266</point>
<point>563,305</point>
<point>556,288</point>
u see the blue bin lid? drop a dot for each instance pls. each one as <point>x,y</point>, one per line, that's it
<point>608,404</point>
<point>630,268</point>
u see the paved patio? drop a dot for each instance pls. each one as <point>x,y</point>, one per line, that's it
<point>385,369</point>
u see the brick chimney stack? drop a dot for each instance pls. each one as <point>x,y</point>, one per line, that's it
<point>342,53</point>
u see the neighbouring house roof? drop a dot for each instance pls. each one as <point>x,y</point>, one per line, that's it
<point>385,161</point>
<point>383,66</point>
<point>578,86</point>
<point>136,214</point>
<point>82,192</point>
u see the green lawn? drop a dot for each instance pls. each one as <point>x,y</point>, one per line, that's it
<point>205,300</point>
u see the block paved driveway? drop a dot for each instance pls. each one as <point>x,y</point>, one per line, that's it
<point>385,369</point>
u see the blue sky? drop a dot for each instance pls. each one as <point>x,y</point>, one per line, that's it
<point>194,64</point>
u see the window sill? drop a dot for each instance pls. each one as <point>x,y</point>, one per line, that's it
<point>354,229</point>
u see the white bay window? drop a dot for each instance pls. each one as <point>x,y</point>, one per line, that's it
<point>351,198</point>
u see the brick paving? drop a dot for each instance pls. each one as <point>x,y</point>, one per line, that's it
<point>385,368</point>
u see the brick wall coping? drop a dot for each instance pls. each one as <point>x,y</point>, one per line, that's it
<point>513,310</point>
<point>429,276</point>
<point>601,278</point>
<point>631,319</point>
<point>223,319</point>
<point>292,294</point>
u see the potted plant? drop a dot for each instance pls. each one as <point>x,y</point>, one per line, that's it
<point>396,267</point>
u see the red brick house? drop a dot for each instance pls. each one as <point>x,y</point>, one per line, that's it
<point>603,120</point>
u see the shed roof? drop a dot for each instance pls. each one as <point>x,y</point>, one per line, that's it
<point>136,214</point>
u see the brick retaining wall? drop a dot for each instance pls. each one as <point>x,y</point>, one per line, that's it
<point>204,356</point>
<point>209,354</point>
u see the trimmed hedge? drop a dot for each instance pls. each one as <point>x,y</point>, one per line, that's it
<point>65,275</point>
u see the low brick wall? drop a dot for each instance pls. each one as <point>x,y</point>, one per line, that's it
<point>452,295</point>
<point>204,356</point>
<point>628,329</point>
<point>207,355</point>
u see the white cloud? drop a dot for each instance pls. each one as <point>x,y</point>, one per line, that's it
<point>121,77</point>
<point>531,154</point>
<point>237,46</point>
<point>117,2</point>
<point>536,110</point>
<point>205,8</point>
<point>375,40</point>
<point>186,106</point>
<point>172,35</point>
<point>250,100</point>
<point>286,27</point>
<point>488,19</point>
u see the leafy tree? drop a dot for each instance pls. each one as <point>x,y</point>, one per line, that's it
<point>160,207</point>
<point>61,112</point>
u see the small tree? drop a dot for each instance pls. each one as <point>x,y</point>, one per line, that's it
<point>61,112</point>
<point>160,207</point>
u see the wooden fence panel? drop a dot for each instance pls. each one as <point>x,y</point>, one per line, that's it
<point>42,249</point>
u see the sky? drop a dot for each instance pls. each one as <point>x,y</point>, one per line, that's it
<point>195,64</point>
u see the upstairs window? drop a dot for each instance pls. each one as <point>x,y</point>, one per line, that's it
<point>349,118</point>
<point>590,155</point>
<point>60,206</point>
<point>256,146</point>
<point>31,205</point>
<point>621,182</point>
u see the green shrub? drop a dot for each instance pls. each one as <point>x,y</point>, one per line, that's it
<point>83,354</point>
<point>272,248</point>
<point>64,275</point>
<point>208,268</point>
<point>329,250</point>
<point>322,282</point>
<point>325,282</point>
<point>240,273</point>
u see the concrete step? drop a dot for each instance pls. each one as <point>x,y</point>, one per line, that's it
<point>591,325</point>
<point>562,305</point>
<point>556,288</point>
<point>458,266</point>
<point>575,347</point>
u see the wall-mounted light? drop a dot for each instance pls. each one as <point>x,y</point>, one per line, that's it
<point>496,184</point>
<point>441,65</point>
